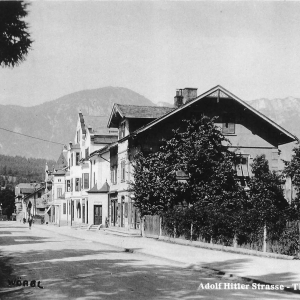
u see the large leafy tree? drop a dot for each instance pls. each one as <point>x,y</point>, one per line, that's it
<point>15,39</point>
<point>266,207</point>
<point>210,198</point>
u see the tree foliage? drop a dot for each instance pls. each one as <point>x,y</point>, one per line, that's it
<point>24,169</point>
<point>15,39</point>
<point>292,170</point>
<point>7,199</point>
<point>212,204</point>
<point>265,204</point>
<point>211,195</point>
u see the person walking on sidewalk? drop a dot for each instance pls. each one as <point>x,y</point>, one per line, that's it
<point>30,221</point>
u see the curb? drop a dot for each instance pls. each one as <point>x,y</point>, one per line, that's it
<point>250,252</point>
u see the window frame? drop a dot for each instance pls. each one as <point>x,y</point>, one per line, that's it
<point>228,123</point>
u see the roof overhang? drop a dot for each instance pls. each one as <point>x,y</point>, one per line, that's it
<point>218,89</point>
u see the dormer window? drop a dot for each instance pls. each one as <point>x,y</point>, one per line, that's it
<point>122,130</point>
<point>228,124</point>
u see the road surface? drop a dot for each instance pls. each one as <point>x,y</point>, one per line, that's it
<point>71,268</point>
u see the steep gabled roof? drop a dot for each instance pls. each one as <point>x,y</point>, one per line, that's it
<point>61,162</point>
<point>136,112</point>
<point>219,92</point>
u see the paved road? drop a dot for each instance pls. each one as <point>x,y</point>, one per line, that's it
<point>70,268</point>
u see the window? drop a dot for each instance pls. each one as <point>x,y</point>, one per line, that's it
<point>77,158</point>
<point>85,180</point>
<point>78,136</point>
<point>275,155</point>
<point>64,208</point>
<point>113,175</point>
<point>87,153</point>
<point>68,186</point>
<point>123,170</point>
<point>242,165</point>
<point>71,184</point>
<point>77,184</point>
<point>228,126</point>
<point>59,180</point>
<point>59,192</point>
<point>71,159</point>
<point>39,195</point>
<point>94,178</point>
<point>122,130</point>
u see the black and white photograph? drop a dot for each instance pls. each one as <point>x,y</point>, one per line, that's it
<point>149,150</point>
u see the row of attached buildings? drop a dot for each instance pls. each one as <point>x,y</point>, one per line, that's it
<point>90,182</point>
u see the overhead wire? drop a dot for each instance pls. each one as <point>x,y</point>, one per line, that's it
<point>33,137</point>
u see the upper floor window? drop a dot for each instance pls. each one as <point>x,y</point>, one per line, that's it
<point>77,185</point>
<point>77,158</point>
<point>77,136</point>
<point>68,186</point>
<point>113,175</point>
<point>72,159</point>
<point>242,165</point>
<point>59,192</point>
<point>122,130</point>
<point>64,208</point>
<point>85,180</point>
<point>123,170</point>
<point>39,195</point>
<point>228,124</point>
<point>87,153</point>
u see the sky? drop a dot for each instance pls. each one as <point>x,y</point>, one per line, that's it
<point>155,47</point>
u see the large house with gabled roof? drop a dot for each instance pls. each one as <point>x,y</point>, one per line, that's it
<point>144,128</point>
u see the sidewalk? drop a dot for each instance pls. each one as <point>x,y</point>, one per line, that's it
<point>266,270</point>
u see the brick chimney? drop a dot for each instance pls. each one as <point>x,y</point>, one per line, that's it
<point>189,94</point>
<point>178,99</point>
<point>184,95</point>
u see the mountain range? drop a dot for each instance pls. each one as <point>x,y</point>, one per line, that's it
<point>56,120</point>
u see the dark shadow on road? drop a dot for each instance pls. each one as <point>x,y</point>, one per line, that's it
<point>22,239</point>
<point>6,269</point>
<point>9,232</point>
<point>106,274</point>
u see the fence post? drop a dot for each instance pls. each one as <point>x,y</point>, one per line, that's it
<point>143,226</point>
<point>235,241</point>
<point>191,231</point>
<point>160,226</point>
<point>265,239</point>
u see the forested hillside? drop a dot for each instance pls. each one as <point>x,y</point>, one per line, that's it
<point>15,169</point>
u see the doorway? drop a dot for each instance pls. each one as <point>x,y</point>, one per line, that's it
<point>97,214</point>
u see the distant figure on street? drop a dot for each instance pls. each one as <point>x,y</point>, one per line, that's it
<point>30,222</point>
